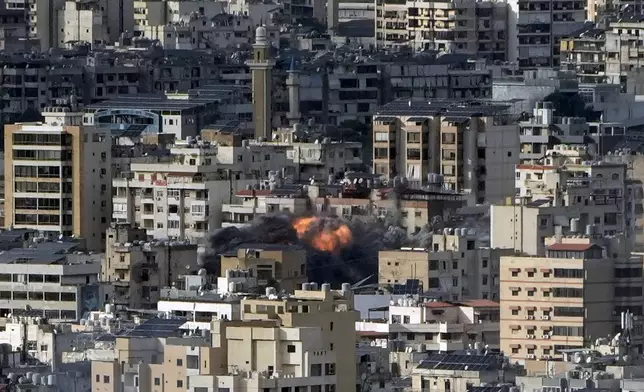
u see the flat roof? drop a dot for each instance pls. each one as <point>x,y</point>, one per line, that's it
<point>150,103</point>
<point>451,108</point>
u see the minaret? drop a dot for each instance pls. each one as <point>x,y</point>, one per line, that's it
<point>293,84</point>
<point>261,66</point>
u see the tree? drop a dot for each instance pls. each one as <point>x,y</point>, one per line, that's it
<point>569,105</point>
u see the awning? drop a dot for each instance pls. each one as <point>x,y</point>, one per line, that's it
<point>531,289</point>
<point>515,345</point>
<point>515,288</point>
<point>514,307</point>
<point>531,346</point>
<point>546,327</point>
<point>531,270</point>
<point>546,289</point>
<point>515,327</point>
<point>515,269</point>
<point>545,270</point>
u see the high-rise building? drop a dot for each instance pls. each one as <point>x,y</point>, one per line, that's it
<point>540,27</point>
<point>473,146</point>
<point>261,65</point>
<point>576,291</point>
<point>476,28</point>
<point>57,177</point>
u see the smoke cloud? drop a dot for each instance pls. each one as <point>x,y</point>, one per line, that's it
<point>346,261</point>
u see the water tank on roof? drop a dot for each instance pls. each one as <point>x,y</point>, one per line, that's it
<point>51,379</point>
<point>326,287</point>
<point>346,287</point>
<point>271,291</point>
<point>314,286</point>
<point>590,230</point>
<point>108,308</point>
<point>232,287</point>
<point>305,287</point>
<point>574,225</point>
<point>35,378</point>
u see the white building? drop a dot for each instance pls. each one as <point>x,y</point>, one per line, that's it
<point>83,22</point>
<point>48,282</point>
<point>431,326</point>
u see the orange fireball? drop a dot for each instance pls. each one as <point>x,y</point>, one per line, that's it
<point>327,239</point>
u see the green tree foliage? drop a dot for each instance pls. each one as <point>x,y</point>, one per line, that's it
<point>570,105</point>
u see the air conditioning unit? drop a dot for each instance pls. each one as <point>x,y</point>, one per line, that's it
<point>545,317</point>
<point>533,336</point>
<point>546,336</point>
<point>530,317</point>
<point>527,317</point>
<point>530,356</point>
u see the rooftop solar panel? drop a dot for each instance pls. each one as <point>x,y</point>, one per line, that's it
<point>474,362</point>
<point>157,328</point>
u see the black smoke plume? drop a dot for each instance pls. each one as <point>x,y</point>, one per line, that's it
<point>356,261</point>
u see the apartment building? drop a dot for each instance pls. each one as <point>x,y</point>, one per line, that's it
<point>585,53</point>
<point>163,12</point>
<point>543,131</point>
<point>240,356</point>
<point>138,269</point>
<point>470,144</point>
<point>432,326</point>
<point>200,303</point>
<point>540,27</point>
<point>458,266</point>
<point>13,29</point>
<point>282,266</point>
<point>50,281</point>
<point>475,371</point>
<point>468,27</point>
<point>57,177</point>
<point>623,49</point>
<point>180,196</point>
<point>329,310</point>
<point>578,288</point>
<point>257,202</point>
<point>82,22</point>
<point>567,190</point>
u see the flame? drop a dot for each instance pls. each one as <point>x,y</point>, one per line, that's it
<point>328,239</point>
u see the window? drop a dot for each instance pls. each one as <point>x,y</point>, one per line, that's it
<point>179,383</point>
<point>157,381</point>
<point>179,362</point>
<point>515,293</point>
<point>290,348</point>
<point>568,292</point>
<point>106,379</point>
<point>192,361</point>
<point>569,273</point>
<point>515,273</point>
<point>565,311</point>
<point>515,312</point>
<point>98,378</point>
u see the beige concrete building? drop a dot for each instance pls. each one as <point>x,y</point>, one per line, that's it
<point>57,177</point>
<point>139,269</point>
<point>575,292</point>
<point>282,266</point>
<point>330,310</point>
<point>304,342</point>
<point>457,266</point>
<point>569,191</point>
<point>469,145</point>
<point>476,28</point>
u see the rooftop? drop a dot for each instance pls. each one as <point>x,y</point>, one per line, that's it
<point>571,247</point>
<point>460,362</point>
<point>157,328</point>
<point>454,109</point>
<point>149,102</point>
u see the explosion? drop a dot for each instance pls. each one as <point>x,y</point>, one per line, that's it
<point>322,235</point>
